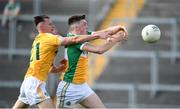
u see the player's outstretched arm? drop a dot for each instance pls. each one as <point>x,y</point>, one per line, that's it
<point>83,38</point>
<point>114,29</point>
<point>100,49</point>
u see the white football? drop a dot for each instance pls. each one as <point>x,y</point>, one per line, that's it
<point>151,33</point>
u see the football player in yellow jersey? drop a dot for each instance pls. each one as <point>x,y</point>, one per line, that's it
<point>73,88</point>
<point>44,49</point>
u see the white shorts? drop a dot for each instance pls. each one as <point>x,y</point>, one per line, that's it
<point>69,94</point>
<point>33,91</point>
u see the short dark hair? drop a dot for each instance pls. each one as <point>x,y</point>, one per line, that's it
<point>76,18</point>
<point>38,19</point>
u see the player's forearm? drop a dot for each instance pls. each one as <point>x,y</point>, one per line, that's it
<point>79,39</point>
<point>116,29</point>
<point>111,30</point>
<point>85,38</point>
<point>103,48</point>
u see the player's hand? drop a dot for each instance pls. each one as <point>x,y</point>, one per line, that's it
<point>61,68</point>
<point>123,28</point>
<point>125,36</point>
<point>118,37</point>
<point>122,36</point>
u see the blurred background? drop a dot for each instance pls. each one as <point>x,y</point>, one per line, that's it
<point>133,74</point>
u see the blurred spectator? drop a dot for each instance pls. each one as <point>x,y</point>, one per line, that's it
<point>10,12</point>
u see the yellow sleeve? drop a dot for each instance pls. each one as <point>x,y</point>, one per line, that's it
<point>54,40</point>
<point>57,40</point>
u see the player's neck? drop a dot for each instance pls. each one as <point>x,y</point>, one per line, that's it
<point>76,32</point>
<point>42,31</point>
<point>73,32</point>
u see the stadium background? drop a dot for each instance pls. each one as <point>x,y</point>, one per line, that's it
<point>133,74</point>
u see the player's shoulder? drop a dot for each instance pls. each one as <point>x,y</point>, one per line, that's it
<point>48,35</point>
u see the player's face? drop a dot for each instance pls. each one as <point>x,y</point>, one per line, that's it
<point>55,31</point>
<point>83,27</point>
<point>48,26</point>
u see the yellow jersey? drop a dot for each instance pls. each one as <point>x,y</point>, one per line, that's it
<point>43,52</point>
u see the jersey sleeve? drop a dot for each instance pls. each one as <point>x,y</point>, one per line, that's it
<point>55,40</point>
<point>80,46</point>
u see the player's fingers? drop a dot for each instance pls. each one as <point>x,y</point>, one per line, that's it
<point>125,37</point>
<point>126,33</point>
<point>62,67</point>
<point>122,36</point>
<point>116,38</point>
<point>123,28</point>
